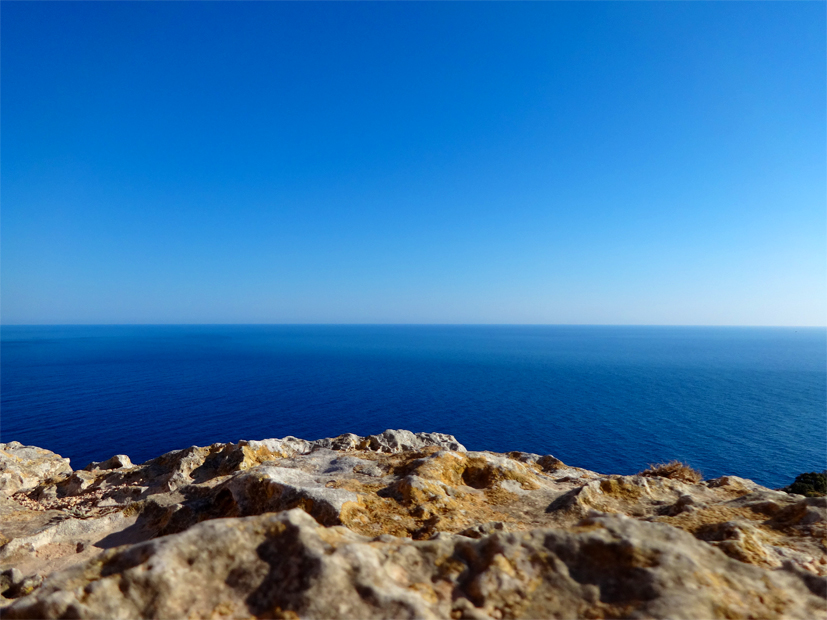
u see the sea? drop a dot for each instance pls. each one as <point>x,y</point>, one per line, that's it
<point>742,401</point>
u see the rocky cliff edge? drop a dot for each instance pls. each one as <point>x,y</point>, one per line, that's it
<point>396,525</point>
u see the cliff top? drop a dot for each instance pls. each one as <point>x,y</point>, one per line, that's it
<point>398,524</point>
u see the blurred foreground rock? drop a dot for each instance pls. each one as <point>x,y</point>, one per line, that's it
<point>397,525</point>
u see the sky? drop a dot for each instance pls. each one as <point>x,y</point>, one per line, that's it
<point>552,163</point>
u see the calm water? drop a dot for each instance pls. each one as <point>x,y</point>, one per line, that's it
<point>742,401</point>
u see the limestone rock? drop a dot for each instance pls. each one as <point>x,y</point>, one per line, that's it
<point>77,483</point>
<point>287,565</point>
<point>399,524</point>
<point>119,461</point>
<point>26,467</point>
<point>390,441</point>
<point>270,489</point>
<point>348,441</point>
<point>400,440</point>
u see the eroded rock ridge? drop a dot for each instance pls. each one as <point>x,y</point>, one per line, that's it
<point>395,525</point>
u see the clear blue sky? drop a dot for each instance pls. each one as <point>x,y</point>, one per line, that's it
<point>618,163</point>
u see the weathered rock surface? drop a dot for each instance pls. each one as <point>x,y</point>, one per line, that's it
<point>25,467</point>
<point>398,525</point>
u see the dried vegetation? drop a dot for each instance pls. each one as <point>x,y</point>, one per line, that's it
<point>674,470</point>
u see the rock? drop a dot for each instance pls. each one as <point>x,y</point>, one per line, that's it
<point>390,442</point>
<point>24,586</point>
<point>401,524</point>
<point>816,584</point>
<point>288,446</point>
<point>79,482</point>
<point>25,467</point>
<point>270,489</point>
<point>547,463</point>
<point>478,531</point>
<point>287,565</point>
<point>398,441</point>
<point>8,578</point>
<point>119,461</point>
<point>63,533</point>
<point>807,511</point>
<point>739,540</point>
<point>348,441</point>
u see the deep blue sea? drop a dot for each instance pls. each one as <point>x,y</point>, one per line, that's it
<point>745,401</point>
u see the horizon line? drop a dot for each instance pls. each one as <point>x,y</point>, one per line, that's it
<point>389,324</point>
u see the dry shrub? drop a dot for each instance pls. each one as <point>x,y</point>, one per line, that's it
<point>674,470</point>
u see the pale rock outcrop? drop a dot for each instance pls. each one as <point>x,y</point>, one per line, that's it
<point>400,524</point>
<point>287,565</point>
<point>391,441</point>
<point>25,467</point>
<point>271,489</point>
<point>119,461</point>
<point>400,441</point>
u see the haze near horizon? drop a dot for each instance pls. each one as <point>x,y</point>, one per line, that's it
<point>586,163</point>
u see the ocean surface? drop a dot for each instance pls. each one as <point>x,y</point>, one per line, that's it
<point>745,401</point>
